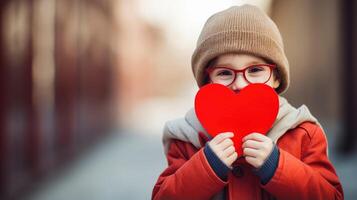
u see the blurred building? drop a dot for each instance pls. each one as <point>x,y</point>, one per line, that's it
<point>57,71</point>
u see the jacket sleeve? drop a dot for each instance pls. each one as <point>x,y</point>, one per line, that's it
<point>312,177</point>
<point>186,178</point>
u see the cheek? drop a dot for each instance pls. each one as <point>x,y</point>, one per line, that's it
<point>272,83</point>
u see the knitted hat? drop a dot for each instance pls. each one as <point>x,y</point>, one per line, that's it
<point>240,29</point>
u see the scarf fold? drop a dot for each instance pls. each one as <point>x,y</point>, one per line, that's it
<point>186,129</point>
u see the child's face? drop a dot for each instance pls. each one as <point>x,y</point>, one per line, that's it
<point>239,62</point>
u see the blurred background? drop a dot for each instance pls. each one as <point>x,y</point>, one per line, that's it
<point>87,85</point>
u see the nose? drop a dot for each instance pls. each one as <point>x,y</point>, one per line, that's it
<point>239,83</point>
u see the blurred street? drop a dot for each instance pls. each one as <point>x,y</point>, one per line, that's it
<point>122,166</point>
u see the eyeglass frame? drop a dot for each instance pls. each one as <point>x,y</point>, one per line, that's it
<point>236,71</point>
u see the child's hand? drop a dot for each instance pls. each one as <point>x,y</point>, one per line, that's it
<point>223,147</point>
<point>256,148</point>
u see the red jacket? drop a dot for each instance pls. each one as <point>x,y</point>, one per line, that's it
<point>304,172</point>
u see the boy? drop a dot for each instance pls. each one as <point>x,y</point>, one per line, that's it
<point>237,47</point>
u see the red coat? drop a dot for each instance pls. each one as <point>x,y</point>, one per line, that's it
<point>304,172</point>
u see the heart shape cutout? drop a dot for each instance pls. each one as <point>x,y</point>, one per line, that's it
<point>253,109</point>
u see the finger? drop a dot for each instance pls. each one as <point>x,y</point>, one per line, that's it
<point>225,144</point>
<point>233,157</point>
<point>252,144</point>
<point>255,136</point>
<point>220,137</point>
<point>229,151</point>
<point>251,152</point>
<point>253,161</point>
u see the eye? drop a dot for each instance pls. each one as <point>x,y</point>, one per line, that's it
<point>224,73</point>
<point>255,69</point>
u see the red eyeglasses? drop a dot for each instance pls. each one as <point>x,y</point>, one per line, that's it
<point>256,73</point>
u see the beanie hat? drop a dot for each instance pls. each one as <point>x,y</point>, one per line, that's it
<point>240,29</point>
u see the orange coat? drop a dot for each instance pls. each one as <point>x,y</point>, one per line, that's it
<point>304,172</point>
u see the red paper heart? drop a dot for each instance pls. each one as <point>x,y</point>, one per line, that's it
<point>253,109</point>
